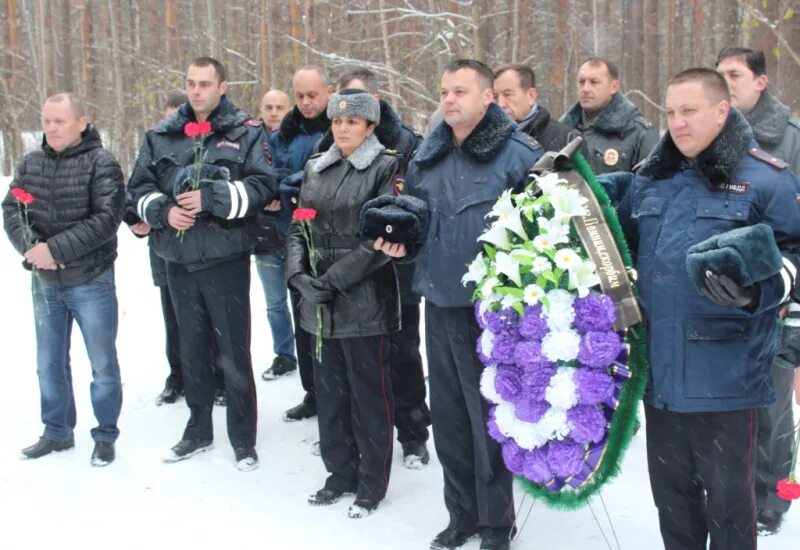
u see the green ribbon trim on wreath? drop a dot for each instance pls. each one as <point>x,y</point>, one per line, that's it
<point>624,420</point>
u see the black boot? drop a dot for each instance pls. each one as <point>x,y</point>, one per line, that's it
<point>168,396</point>
<point>415,455</point>
<point>451,538</point>
<point>326,496</point>
<point>768,522</point>
<point>103,453</point>
<point>280,366</point>
<point>46,446</point>
<point>306,409</point>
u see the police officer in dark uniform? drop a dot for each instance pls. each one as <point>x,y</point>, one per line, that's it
<point>412,416</point>
<point>460,170</point>
<point>709,353</point>
<point>616,136</point>
<point>203,235</point>
<point>778,133</point>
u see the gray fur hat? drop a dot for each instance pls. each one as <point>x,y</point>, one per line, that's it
<point>354,103</point>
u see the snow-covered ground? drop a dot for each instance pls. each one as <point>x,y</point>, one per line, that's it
<point>60,501</point>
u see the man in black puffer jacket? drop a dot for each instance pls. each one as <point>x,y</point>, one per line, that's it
<point>62,213</point>
<point>204,235</point>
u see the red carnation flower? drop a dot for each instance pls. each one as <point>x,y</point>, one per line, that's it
<point>788,490</point>
<point>191,129</point>
<point>204,128</point>
<point>22,196</point>
<point>304,214</point>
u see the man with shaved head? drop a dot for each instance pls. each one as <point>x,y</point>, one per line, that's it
<point>292,145</point>
<point>711,338</point>
<point>67,236</point>
<point>274,106</point>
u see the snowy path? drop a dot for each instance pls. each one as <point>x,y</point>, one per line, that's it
<point>139,502</point>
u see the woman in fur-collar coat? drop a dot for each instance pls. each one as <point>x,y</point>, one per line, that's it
<point>353,289</point>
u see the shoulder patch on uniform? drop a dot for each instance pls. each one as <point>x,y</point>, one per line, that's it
<point>766,158</point>
<point>527,139</point>
<point>254,122</point>
<point>229,144</point>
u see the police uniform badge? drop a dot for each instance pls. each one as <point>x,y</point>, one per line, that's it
<point>611,157</point>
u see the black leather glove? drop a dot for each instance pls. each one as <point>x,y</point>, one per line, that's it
<point>724,291</point>
<point>313,290</point>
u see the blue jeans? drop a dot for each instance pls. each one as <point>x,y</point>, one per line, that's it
<point>271,272</point>
<point>94,306</point>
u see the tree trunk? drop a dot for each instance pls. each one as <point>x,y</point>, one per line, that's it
<point>477,42</point>
<point>789,68</point>
<point>651,60</point>
<point>67,75</point>
<point>387,54</point>
<point>294,20</point>
<point>87,56</point>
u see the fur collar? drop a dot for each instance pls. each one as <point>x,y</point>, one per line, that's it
<point>717,162</point>
<point>768,118</point>
<point>222,119</point>
<point>294,123</point>
<point>482,144</point>
<point>617,116</point>
<point>361,158</point>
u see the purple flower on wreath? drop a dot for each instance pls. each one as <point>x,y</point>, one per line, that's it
<point>599,349</point>
<point>504,320</point>
<point>529,409</point>
<point>504,344</point>
<point>507,382</point>
<point>589,423</point>
<point>513,456</point>
<point>595,312</point>
<point>593,386</point>
<point>535,381</point>
<point>494,430</point>
<point>528,355</point>
<point>564,457</point>
<point>535,467</point>
<point>532,326</point>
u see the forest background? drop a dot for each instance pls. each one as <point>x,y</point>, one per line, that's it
<point>123,56</point>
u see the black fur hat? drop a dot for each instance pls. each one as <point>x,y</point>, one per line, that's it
<point>747,255</point>
<point>396,218</point>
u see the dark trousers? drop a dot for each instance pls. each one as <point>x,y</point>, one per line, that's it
<point>702,474</point>
<point>304,345</point>
<point>775,433</point>
<point>411,414</point>
<point>477,486</point>
<point>213,305</point>
<point>175,378</point>
<point>355,408</point>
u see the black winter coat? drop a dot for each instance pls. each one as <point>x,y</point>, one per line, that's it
<point>394,135</point>
<point>79,199</point>
<point>367,300</point>
<point>224,229</point>
<point>551,134</point>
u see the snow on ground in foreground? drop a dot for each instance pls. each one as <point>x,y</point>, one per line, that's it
<point>139,502</point>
